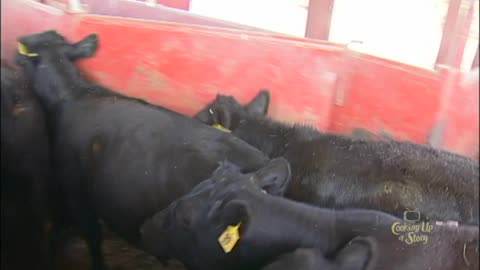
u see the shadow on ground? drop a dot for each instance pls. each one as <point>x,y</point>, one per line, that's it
<point>118,255</point>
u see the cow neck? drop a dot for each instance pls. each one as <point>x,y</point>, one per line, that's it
<point>363,222</point>
<point>286,225</point>
<point>59,76</point>
<point>295,224</point>
<point>272,138</point>
<point>55,82</point>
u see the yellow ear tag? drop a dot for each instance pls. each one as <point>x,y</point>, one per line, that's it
<point>22,49</point>
<point>229,238</point>
<point>220,127</point>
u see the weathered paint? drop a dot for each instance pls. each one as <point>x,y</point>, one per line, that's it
<point>462,116</point>
<point>183,66</point>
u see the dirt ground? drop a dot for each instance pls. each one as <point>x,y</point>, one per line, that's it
<point>118,256</point>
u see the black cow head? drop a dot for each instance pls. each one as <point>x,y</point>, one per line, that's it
<point>53,47</point>
<point>190,227</point>
<point>47,60</point>
<point>229,113</point>
<point>32,48</point>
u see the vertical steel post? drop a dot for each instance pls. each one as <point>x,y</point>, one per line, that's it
<point>455,33</point>
<point>319,19</point>
<point>475,60</point>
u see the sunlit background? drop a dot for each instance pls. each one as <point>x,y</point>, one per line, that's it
<point>408,31</point>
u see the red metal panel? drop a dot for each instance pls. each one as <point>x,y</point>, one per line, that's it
<point>382,95</point>
<point>462,116</point>
<point>184,66</point>
<point>319,18</point>
<point>386,97</point>
<point>172,59</point>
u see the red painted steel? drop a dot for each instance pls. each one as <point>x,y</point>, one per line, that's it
<point>462,116</point>
<point>386,97</point>
<point>319,19</point>
<point>183,66</point>
<point>172,59</point>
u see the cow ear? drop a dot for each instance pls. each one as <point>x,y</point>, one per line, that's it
<point>222,116</point>
<point>216,114</point>
<point>205,116</point>
<point>259,105</point>
<point>83,49</point>
<point>274,177</point>
<point>358,254</point>
<point>235,212</point>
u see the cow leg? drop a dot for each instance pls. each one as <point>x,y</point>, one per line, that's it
<point>53,243</point>
<point>94,238</point>
<point>57,239</point>
<point>91,230</point>
<point>86,221</point>
<point>60,223</point>
<point>40,220</point>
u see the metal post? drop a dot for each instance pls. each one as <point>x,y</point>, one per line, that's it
<point>319,19</point>
<point>459,19</point>
<point>475,60</point>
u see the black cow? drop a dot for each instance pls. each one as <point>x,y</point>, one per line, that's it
<point>227,222</point>
<point>336,171</point>
<point>25,172</point>
<point>354,256</point>
<point>117,158</point>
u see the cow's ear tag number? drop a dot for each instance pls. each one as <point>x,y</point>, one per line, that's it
<point>23,50</point>
<point>229,238</point>
<point>222,128</point>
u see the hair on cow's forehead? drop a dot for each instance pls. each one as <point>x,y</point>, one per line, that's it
<point>43,39</point>
<point>224,170</point>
